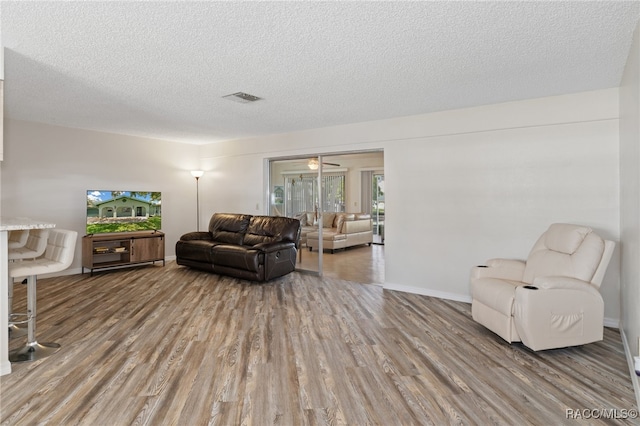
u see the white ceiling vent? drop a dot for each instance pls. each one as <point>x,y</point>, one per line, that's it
<point>243,98</point>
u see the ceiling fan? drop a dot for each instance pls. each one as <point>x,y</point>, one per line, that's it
<point>313,164</point>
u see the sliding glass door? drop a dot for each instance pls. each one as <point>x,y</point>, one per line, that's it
<point>294,193</point>
<point>310,188</point>
<point>301,193</point>
<point>377,208</point>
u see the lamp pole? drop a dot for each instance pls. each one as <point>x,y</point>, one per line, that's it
<point>197,174</point>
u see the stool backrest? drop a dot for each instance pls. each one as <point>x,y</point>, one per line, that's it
<point>35,246</point>
<point>61,246</point>
<point>18,238</point>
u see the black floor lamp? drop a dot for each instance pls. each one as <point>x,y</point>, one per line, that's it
<point>197,174</point>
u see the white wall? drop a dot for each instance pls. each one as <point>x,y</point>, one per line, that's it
<point>630,200</point>
<point>47,170</point>
<point>462,186</point>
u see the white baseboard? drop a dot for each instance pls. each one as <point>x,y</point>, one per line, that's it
<point>5,367</point>
<point>632,371</point>
<point>612,323</point>
<point>427,292</point>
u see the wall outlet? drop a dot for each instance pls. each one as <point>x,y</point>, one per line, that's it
<point>257,206</point>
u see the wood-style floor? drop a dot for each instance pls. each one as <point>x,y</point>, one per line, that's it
<point>361,264</point>
<point>173,346</point>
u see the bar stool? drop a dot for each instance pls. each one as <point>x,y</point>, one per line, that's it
<point>33,247</point>
<point>58,256</point>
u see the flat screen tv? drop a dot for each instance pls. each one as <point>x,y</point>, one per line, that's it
<point>123,211</point>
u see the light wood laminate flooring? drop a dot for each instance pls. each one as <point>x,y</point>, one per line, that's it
<point>175,346</point>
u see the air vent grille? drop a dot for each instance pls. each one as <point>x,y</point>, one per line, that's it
<point>243,98</point>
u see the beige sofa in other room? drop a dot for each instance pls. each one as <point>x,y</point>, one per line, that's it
<point>341,230</point>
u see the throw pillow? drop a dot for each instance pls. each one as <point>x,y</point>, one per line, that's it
<point>327,220</point>
<point>311,218</point>
<point>302,217</point>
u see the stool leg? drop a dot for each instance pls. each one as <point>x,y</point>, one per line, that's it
<point>33,350</point>
<point>14,330</point>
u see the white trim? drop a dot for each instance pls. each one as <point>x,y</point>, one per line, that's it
<point>5,367</point>
<point>635,380</point>
<point>427,292</point>
<point>370,169</point>
<point>612,322</point>
<point>313,172</point>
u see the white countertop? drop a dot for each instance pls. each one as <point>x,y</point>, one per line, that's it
<point>18,223</point>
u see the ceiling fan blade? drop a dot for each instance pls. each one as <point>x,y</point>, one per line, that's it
<point>331,164</point>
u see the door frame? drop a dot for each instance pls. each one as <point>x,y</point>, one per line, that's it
<point>267,185</point>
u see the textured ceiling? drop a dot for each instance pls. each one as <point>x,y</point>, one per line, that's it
<point>160,69</point>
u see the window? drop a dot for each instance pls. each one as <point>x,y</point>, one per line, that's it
<point>301,194</point>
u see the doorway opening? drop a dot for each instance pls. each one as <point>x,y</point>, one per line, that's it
<point>316,188</point>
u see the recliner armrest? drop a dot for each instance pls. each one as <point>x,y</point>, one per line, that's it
<point>565,283</point>
<point>202,235</point>
<point>271,247</point>
<point>508,269</point>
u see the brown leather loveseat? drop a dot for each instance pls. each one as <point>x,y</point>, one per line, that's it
<point>257,248</point>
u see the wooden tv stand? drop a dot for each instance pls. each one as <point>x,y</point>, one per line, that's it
<point>101,251</point>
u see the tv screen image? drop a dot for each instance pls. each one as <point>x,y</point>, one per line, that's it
<point>123,211</point>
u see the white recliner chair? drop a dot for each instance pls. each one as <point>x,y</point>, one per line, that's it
<point>551,300</point>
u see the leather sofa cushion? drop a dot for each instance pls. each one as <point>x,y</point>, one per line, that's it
<point>330,219</point>
<point>237,257</point>
<point>341,218</point>
<point>228,228</point>
<point>304,231</point>
<point>353,227</point>
<point>267,229</point>
<point>330,234</point>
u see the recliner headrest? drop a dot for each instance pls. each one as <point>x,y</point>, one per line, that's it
<point>565,238</point>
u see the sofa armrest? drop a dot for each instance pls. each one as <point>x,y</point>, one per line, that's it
<point>271,247</point>
<point>564,283</point>
<point>196,236</point>
<point>508,269</point>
